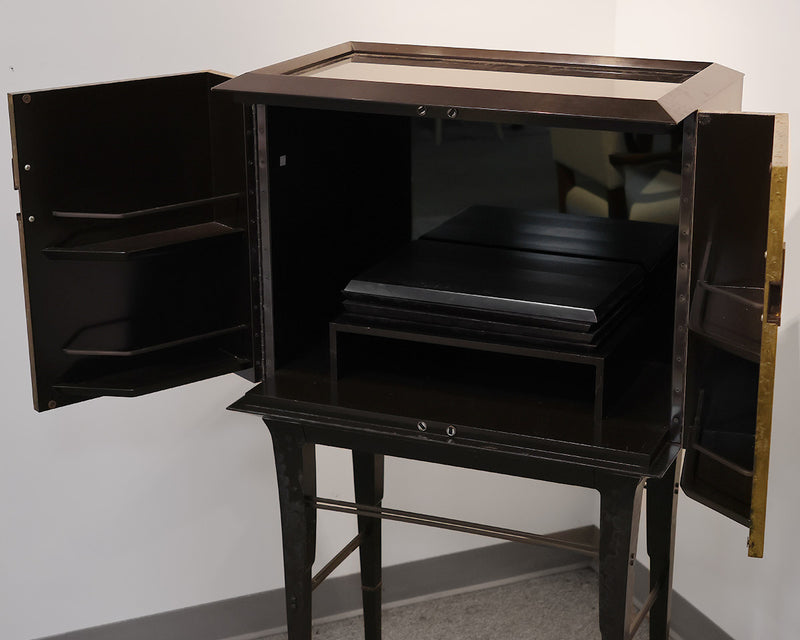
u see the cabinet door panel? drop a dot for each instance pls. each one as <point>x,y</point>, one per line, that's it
<point>133,235</point>
<point>736,284</point>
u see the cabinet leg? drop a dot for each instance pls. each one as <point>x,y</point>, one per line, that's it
<point>620,506</point>
<point>296,468</point>
<point>662,507</point>
<point>368,479</point>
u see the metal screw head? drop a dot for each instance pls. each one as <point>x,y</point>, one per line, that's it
<point>452,112</point>
<point>26,98</point>
<point>52,404</point>
<point>451,431</point>
<point>31,218</point>
<point>27,167</point>
<point>422,426</point>
<point>422,109</point>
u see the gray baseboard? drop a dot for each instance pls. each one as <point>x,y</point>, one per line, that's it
<point>253,616</point>
<point>687,621</point>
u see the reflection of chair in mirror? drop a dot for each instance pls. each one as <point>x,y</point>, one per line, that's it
<point>611,174</point>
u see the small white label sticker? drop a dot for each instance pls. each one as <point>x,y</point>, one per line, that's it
<point>282,161</point>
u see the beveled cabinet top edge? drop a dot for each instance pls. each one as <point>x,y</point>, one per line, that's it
<point>164,76</point>
<point>576,62</point>
<point>293,83</point>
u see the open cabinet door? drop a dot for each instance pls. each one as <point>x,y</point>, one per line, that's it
<point>132,224</point>
<point>735,305</point>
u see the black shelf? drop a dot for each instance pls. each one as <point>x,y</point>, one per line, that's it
<point>642,243</point>
<point>141,245</point>
<point>154,376</point>
<point>146,211</point>
<point>730,317</point>
<point>127,338</point>
<point>496,399</point>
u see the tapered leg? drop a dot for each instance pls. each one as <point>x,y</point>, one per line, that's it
<point>296,468</point>
<point>662,507</point>
<point>620,506</point>
<point>368,478</point>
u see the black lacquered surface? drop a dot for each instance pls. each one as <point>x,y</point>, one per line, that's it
<point>515,327</point>
<point>531,284</point>
<point>493,400</point>
<point>641,243</point>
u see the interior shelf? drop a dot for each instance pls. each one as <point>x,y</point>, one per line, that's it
<point>732,450</point>
<point>137,213</point>
<point>751,296</point>
<point>129,338</point>
<point>730,316</point>
<point>155,376</point>
<point>141,245</point>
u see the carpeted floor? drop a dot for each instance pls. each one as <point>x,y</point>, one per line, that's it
<point>555,607</point>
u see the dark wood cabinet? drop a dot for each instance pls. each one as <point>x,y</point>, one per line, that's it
<point>182,227</point>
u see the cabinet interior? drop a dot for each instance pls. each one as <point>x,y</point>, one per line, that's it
<point>348,189</point>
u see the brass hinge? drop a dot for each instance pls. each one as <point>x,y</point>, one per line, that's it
<point>775,295</point>
<point>15,173</point>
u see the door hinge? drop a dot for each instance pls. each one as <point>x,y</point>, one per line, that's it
<point>15,173</point>
<point>775,295</point>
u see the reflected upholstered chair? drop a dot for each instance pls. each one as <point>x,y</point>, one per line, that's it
<point>611,174</point>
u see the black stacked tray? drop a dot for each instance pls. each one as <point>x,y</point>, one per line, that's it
<point>642,243</point>
<point>553,279</point>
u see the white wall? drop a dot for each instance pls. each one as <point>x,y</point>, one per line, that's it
<point>119,508</point>
<point>750,599</point>
<point>116,508</point>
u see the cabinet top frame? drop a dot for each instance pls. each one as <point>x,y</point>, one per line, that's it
<point>499,86</point>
